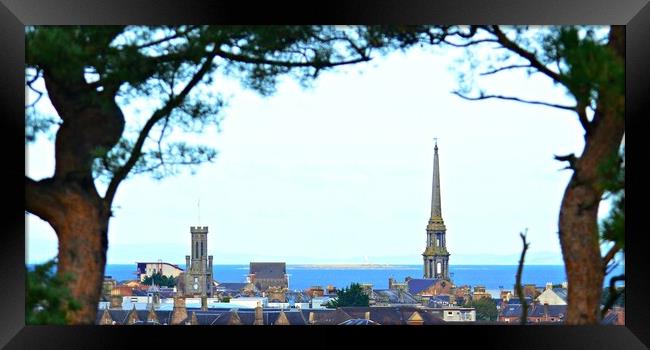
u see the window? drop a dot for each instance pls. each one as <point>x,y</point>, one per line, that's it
<point>438,267</point>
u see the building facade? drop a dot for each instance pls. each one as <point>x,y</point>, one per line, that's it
<point>147,269</point>
<point>268,274</point>
<point>436,256</point>
<point>198,278</point>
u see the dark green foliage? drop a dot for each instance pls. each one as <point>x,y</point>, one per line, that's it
<point>111,73</point>
<point>486,309</point>
<point>587,66</point>
<point>47,300</point>
<point>620,298</point>
<point>613,227</point>
<point>350,296</point>
<point>153,64</point>
<point>160,280</point>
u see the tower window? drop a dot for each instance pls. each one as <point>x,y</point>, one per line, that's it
<point>202,253</point>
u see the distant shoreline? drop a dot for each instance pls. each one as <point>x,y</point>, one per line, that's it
<point>348,266</point>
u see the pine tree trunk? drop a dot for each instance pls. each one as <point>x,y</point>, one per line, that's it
<point>69,201</point>
<point>83,242</point>
<point>578,224</point>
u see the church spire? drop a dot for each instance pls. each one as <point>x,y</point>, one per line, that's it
<point>436,256</point>
<point>436,208</point>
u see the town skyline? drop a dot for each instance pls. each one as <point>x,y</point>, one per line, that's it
<point>295,173</point>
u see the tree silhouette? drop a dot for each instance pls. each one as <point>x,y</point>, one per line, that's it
<point>91,74</point>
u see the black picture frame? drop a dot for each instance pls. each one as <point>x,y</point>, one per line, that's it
<point>14,14</point>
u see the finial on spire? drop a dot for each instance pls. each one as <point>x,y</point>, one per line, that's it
<point>198,205</point>
<point>436,210</point>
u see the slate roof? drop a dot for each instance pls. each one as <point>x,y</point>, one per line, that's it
<point>358,322</point>
<point>139,293</point>
<point>393,315</point>
<point>327,317</point>
<point>268,270</point>
<point>416,285</point>
<point>553,311</point>
<point>393,296</point>
<point>513,301</point>
<point>120,316</point>
<point>609,319</point>
<point>562,293</point>
<point>513,310</point>
<point>378,315</point>
<point>293,296</point>
<point>294,317</point>
<point>445,298</point>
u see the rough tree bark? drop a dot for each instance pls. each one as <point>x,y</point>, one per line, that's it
<point>69,201</point>
<point>578,221</point>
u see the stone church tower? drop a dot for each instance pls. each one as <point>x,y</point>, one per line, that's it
<point>198,266</point>
<point>436,257</point>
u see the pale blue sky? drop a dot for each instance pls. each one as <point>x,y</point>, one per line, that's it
<point>341,173</point>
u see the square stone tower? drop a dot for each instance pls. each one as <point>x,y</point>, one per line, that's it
<point>198,273</point>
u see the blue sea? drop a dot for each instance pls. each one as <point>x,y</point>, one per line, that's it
<point>493,277</point>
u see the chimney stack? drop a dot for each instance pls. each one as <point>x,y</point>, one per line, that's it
<point>545,312</point>
<point>259,315</point>
<point>116,299</point>
<point>311,318</point>
<point>549,285</point>
<point>179,313</point>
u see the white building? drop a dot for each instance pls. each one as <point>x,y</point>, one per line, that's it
<point>147,269</point>
<point>553,296</point>
<point>457,314</point>
<point>280,305</point>
<point>249,302</point>
<point>319,302</point>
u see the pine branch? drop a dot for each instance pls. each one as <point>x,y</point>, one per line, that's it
<point>161,113</point>
<point>610,254</point>
<point>500,69</point>
<point>41,199</point>
<point>613,294</point>
<point>511,98</point>
<point>570,158</point>
<point>529,56</point>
